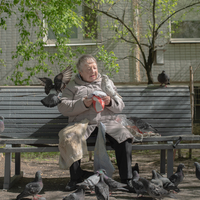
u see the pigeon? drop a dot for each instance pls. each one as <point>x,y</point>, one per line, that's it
<point>178,176</point>
<point>155,180</point>
<point>137,185</point>
<point>135,168</point>
<point>167,184</point>
<point>106,86</point>
<point>196,164</point>
<point>155,191</point>
<point>163,79</point>
<point>79,194</point>
<point>90,182</point>
<point>54,90</point>
<point>114,185</point>
<point>2,127</point>
<point>102,189</point>
<point>142,125</point>
<point>33,188</point>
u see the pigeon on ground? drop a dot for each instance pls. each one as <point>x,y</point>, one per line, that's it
<point>114,185</point>
<point>163,79</point>
<point>142,125</point>
<point>79,194</point>
<point>90,182</point>
<point>135,168</point>
<point>54,90</point>
<point>2,127</point>
<point>106,86</point>
<point>102,189</point>
<point>197,165</point>
<point>137,185</point>
<point>178,176</point>
<point>167,184</point>
<point>155,180</point>
<point>155,191</point>
<point>33,188</point>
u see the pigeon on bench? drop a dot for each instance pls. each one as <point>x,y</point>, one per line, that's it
<point>197,166</point>
<point>163,79</point>
<point>33,188</point>
<point>54,90</point>
<point>2,127</point>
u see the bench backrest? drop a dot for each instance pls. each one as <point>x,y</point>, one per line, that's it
<point>167,109</point>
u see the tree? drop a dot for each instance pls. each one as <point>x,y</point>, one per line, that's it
<point>152,15</point>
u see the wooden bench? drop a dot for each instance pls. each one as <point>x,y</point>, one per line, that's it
<point>28,122</point>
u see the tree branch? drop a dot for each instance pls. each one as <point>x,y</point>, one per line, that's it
<point>175,13</point>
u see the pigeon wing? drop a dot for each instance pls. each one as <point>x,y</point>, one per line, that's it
<point>47,82</point>
<point>51,100</point>
<point>63,78</point>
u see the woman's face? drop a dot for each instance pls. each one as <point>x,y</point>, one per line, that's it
<point>89,71</point>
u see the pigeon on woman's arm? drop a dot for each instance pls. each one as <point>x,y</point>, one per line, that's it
<point>33,188</point>
<point>53,90</point>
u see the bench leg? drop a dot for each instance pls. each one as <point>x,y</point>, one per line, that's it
<point>162,161</point>
<point>17,163</point>
<point>170,162</point>
<point>7,171</point>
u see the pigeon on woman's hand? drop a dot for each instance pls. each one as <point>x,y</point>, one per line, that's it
<point>53,90</point>
<point>106,86</point>
<point>79,194</point>
<point>33,188</point>
<point>155,191</point>
<point>102,189</point>
<point>2,127</point>
<point>163,79</point>
<point>178,176</point>
<point>197,166</point>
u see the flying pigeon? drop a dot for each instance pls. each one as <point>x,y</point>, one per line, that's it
<point>163,79</point>
<point>155,191</point>
<point>142,125</point>
<point>53,90</point>
<point>1,124</point>
<point>155,180</point>
<point>33,188</point>
<point>135,168</point>
<point>167,184</point>
<point>106,86</point>
<point>178,176</point>
<point>102,189</point>
<point>79,194</point>
<point>197,165</point>
<point>137,185</point>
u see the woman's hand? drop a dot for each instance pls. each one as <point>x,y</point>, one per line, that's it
<point>106,100</point>
<point>87,102</point>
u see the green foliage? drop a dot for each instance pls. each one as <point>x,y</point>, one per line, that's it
<point>109,60</point>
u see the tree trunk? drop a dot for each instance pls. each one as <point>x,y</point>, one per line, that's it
<point>149,75</point>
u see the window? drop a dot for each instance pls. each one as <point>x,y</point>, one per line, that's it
<point>186,25</point>
<point>77,35</point>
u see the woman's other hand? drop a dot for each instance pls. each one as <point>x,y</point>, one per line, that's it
<point>87,102</point>
<point>106,100</point>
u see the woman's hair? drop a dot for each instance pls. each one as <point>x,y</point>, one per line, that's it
<point>83,59</point>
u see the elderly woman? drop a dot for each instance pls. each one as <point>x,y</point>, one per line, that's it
<point>77,107</point>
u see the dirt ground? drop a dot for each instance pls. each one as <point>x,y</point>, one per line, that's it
<point>55,179</point>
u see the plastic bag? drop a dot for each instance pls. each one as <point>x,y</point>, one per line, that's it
<point>98,104</point>
<point>101,158</point>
